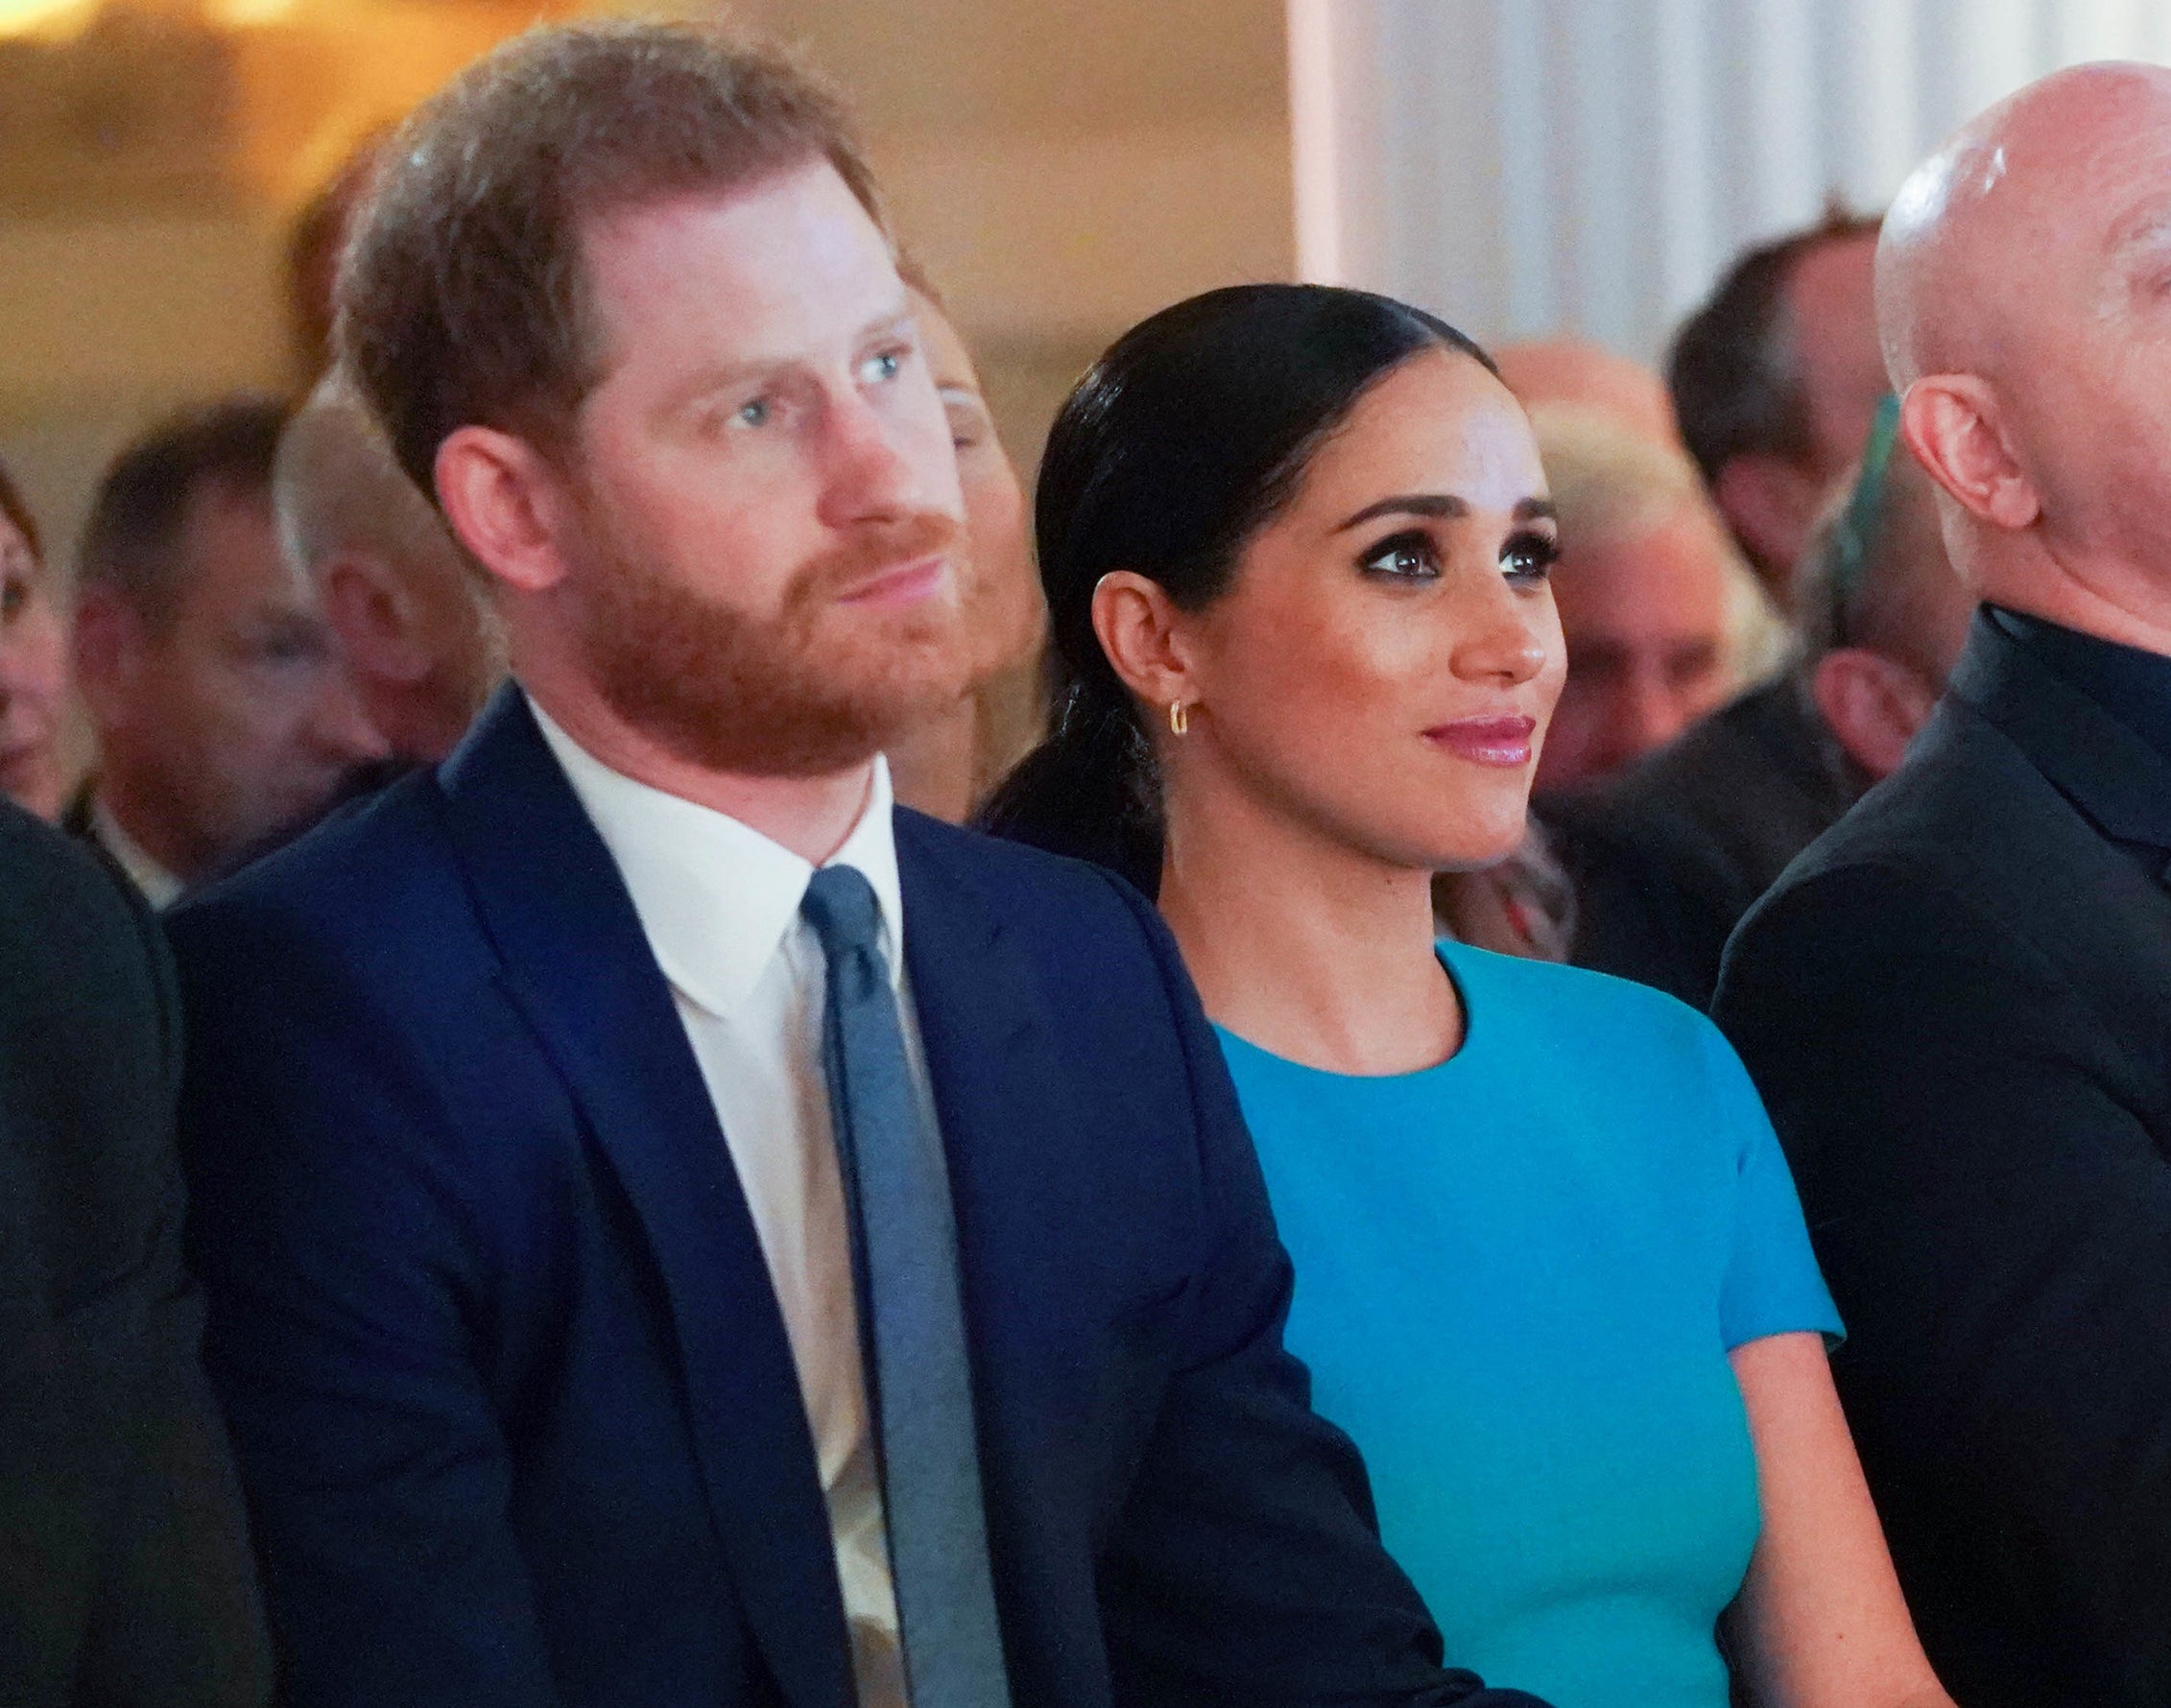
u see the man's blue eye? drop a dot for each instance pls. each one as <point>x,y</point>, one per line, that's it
<point>754,413</point>
<point>885,366</point>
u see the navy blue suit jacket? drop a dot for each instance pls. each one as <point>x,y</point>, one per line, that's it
<point>512,1398</point>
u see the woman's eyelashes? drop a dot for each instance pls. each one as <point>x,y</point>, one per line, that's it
<point>1529,556</point>
<point>1415,555</point>
<point>1410,555</point>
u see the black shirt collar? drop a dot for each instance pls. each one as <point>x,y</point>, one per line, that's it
<point>2093,716</point>
<point>2134,686</point>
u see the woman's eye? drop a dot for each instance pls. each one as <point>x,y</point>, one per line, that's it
<point>753,415</point>
<point>1407,556</point>
<point>14,595</point>
<point>1530,556</point>
<point>885,366</point>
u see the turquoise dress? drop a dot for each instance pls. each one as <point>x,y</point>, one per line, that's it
<point>1518,1276</point>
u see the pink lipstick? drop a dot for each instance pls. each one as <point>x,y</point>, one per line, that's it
<point>1502,742</point>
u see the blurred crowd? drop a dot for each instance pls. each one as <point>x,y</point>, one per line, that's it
<point>511,880</point>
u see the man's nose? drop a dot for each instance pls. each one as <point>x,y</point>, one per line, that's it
<point>874,473</point>
<point>1650,715</point>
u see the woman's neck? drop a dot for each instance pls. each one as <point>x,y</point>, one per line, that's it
<point>1303,946</point>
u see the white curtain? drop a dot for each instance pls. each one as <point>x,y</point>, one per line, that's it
<point>1588,166</point>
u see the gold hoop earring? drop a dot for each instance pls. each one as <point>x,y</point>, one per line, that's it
<point>1179,716</point>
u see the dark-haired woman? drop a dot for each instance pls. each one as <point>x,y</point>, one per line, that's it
<point>1551,1270</point>
<point>34,666</point>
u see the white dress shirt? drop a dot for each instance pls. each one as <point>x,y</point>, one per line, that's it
<point>158,886</point>
<point>720,905</point>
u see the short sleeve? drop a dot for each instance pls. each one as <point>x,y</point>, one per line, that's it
<point>1773,1285</point>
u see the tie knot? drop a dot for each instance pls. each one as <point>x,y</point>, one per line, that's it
<point>840,905</point>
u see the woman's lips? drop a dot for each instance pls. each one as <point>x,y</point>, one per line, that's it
<point>1503,742</point>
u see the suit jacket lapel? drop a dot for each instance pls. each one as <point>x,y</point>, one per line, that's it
<point>986,1025</point>
<point>578,965</point>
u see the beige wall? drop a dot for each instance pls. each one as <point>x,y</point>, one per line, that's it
<point>1062,167</point>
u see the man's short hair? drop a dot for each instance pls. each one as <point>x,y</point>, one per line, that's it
<point>336,488</point>
<point>464,299</point>
<point>131,540</point>
<point>1734,376</point>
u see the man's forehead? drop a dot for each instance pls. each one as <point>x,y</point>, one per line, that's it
<point>775,261</point>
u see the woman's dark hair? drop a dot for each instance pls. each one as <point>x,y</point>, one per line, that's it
<point>13,507</point>
<point>1182,442</point>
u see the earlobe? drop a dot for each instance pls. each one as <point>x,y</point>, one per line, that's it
<point>107,644</point>
<point>1136,624</point>
<point>503,502</point>
<point>1952,424</point>
<point>374,618</point>
<point>1874,705</point>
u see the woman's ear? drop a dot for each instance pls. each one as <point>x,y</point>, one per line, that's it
<point>1142,631</point>
<point>1952,423</point>
<point>506,504</point>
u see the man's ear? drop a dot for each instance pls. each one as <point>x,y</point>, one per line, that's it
<point>1770,503</point>
<point>109,642</point>
<point>379,630</point>
<point>1874,705</point>
<point>1952,423</point>
<point>1139,629</point>
<point>506,503</point>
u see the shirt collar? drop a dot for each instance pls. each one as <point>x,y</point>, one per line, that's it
<point>2134,686</point>
<point>716,898</point>
<point>158,886</point>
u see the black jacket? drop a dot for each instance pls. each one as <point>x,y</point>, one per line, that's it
<point>124,1572</point>
<point>1958,1008</point>
<point>1666,858</point>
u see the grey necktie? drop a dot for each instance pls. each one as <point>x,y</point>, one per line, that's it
<point>911,1319</point>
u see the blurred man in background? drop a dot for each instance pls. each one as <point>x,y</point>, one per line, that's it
<point>1668,858</point>
<point>1956,1003</point>
<point>1650,592</point>
<point>397,593</point>
<point>1775,380</point>
<point>1549,372</point>
<point>215,688</point>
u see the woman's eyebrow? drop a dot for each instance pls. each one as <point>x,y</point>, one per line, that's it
<point>1443,506</point>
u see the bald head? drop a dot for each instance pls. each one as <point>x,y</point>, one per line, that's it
<point>2004,228</point>
<point>395,586</point>
<point>2024,307</point>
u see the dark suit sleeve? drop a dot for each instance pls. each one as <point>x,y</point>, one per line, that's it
<point>1249,1567</point>
<point>1995,1224</point>
<point>340,1257</point>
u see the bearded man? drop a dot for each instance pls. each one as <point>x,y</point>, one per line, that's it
<point>642,1270</point>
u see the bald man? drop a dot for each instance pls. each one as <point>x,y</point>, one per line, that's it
<point>1666,858</point>
<point>1958,1003</point>
<point>395,589</point>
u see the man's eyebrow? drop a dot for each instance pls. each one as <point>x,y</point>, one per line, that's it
<point>1440,505</point>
